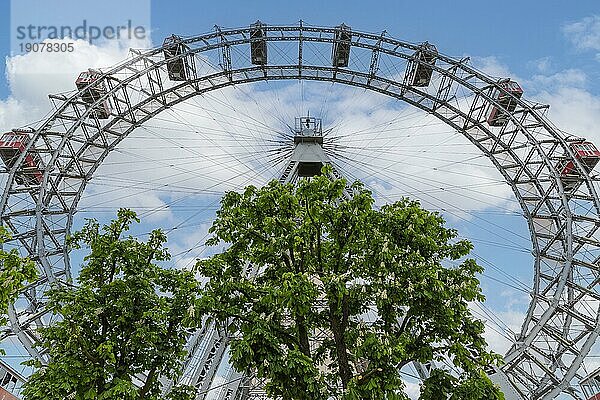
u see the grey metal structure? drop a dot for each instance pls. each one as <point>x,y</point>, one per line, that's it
<point>563,320</point>
<point>308,156</point>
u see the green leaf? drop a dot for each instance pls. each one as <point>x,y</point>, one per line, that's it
<point>324,262</point>
<point>127,315</point>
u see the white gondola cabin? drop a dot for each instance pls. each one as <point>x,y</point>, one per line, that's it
<point>506,95</point>
<point>12,145</point>
<point>420,68</point>
<point>178,68</point>
<point>340,54</point>
<point>258,44</point>
<point>93,93</point>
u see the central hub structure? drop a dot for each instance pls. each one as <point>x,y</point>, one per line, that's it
<point>308,130</point>
<point>308,151</point>
<point>308,157</point>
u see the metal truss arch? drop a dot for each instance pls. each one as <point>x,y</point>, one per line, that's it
<point>555,338</point>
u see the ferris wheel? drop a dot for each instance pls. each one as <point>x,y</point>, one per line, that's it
<point>400,95</point>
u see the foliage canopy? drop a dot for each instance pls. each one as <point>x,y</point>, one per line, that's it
<point>327,297</point>
<point>15,272</point>
<point>122,328</point>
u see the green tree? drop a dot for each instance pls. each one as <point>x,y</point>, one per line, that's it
<point>122,328</point>
<point>343,295</point>
<point>15,272</point>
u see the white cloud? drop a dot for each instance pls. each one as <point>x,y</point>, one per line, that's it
<point>492,66</point>
<point>542,65</point>
<point>413,390</point>
<point>569,78</point>
<point>499,329</point>
<point>585,33</point>
<point>14,113</point>
<point>573,109</point>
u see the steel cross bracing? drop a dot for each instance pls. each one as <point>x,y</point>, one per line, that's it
<point>562,322</point>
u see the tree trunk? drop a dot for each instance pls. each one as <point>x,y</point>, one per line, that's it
<point>338,328</point>
<point>303,335</point>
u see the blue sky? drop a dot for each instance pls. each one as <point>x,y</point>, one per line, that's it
<point>552,48</point>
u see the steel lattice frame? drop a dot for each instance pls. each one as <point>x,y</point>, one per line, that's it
<point>562,322</point>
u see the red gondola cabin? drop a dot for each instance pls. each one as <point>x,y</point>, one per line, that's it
<point>93,93</point>
<point>4,395</point>
<point>507,99</point>
<point>587,154</point>
<point>12,144</point>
